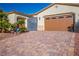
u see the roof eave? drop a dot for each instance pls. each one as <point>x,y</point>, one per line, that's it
<point>69,4</point>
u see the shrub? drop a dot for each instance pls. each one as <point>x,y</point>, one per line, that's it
<point>22,29</point>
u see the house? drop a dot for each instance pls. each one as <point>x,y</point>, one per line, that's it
<point>30,22</point>
<point>15,16</point>
<point>58,17</point>
<point>55,17</point>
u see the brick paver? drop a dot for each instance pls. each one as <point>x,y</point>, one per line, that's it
<point>38,43</point>
<point>76,39</point>
<point>7,35</point>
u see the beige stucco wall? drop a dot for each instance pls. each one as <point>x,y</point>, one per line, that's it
<point>56,9</point>
<point>13,18</point>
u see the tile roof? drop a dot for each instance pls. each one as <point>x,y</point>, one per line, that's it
<point>19,13</point>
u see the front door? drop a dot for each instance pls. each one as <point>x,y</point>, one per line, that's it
<point>32,24</point>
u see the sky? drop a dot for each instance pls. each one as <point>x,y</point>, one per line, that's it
<point>26,8</point>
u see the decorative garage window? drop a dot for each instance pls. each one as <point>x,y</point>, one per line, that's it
<point>47,18</point>
<point>53,17</point>
<point>69,16</point>
<point>50,18</point>
<point>61,17</point>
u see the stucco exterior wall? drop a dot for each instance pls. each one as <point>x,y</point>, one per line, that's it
<point>13,18</point>
<point>56,9</point>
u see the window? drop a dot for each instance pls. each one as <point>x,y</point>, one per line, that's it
<point>17,19</point>
<point>61,17</point>
<point>53,17</point>
<point>69,16</point>
<point>39,18</point>
<point>47,18</point>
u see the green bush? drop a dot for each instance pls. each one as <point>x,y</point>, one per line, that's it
<point>4,23</point>
<point>22,29</point>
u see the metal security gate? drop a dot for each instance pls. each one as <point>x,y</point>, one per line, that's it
<point>32,24</point>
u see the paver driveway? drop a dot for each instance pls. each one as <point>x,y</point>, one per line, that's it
<point>76,39</point>
<point>38,43</point>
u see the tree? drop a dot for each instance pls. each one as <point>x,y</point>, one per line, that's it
<point>6,26</point>
<point>4,23</point>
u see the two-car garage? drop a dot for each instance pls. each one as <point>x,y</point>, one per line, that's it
<point>59,22</point>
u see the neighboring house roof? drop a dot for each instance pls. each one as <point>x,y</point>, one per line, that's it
<point>19,13</point>
<point>69,4</point>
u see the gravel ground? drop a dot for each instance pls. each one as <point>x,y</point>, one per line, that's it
<point>38,43</point>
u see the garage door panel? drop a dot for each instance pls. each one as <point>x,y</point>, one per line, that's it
<point>58,24</point>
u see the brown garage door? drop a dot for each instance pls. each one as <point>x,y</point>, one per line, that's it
<point>60,22</point>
